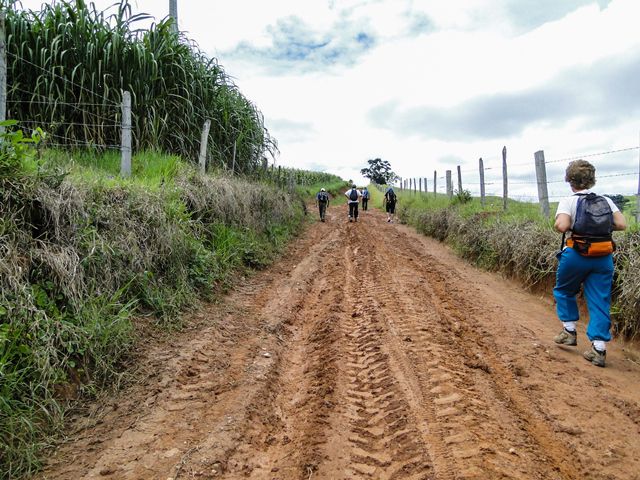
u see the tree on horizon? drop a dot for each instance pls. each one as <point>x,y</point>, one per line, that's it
<point>379,172</point>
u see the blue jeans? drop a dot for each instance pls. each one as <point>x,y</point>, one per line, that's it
<point>596,274</point>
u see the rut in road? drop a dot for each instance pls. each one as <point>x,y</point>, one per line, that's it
<point>387,379</point>
<point>367,352</point>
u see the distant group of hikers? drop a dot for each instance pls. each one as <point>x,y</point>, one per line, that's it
<point>585,260</point>
<point>354,197</point>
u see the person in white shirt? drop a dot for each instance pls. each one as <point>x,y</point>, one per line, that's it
<point>353,198</point>
<point>586,261</point>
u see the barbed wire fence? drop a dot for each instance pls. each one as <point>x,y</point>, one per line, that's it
<point>485,182</point>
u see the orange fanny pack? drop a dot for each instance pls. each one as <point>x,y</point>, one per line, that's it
<point>588,248</point>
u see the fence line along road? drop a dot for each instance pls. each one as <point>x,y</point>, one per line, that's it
<point>541,181</point>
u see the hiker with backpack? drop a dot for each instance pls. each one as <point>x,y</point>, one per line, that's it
<point>365,199</point>
<point>353,195</point>
<point>586,260</point>
<point>322,201</point>
<point>389,202</point>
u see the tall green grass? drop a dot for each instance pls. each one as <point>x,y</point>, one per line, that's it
<point>69,63</point>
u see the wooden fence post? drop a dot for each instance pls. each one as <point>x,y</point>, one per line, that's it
<point>3,72</point>
<point>435,183</point>
<point>482,192</point>
<point>125,150</point>
<point>449,184</point>
<point>505,190</point>
<point>426,187</point>
<point>459,180</point>
<point>415,186</point>
<point>638,194</point>
<point>541,176</point>
<point>420,184</point>
<point>203,146</point>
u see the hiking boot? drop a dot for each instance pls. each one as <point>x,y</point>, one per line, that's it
<point>596,357</point>
<point>565,337</point>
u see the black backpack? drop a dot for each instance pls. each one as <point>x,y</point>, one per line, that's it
<point>353,195</point>
<point>323,197</point>
<point>391,196</point>
<point>594,218</point>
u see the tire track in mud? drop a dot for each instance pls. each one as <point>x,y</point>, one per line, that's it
<point>285,442</point>
<point>383,441</point>
<point>268,441</point>
<point>475,409</point>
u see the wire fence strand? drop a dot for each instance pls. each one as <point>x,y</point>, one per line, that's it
<point>98,125</point>
<point>567,159</point>
<point>52,73</point>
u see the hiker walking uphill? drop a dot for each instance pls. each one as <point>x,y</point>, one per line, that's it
<point>365,199</point>
<point>353,195</point>
<point>389,202</point>
<point>322,201</point>
<point>586,260</point>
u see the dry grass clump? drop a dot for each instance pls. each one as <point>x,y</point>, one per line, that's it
<point>627,285</point>
<point>438,224</point>
<point>525,250</point>
<point>234,201</point>
<point>521,249</point>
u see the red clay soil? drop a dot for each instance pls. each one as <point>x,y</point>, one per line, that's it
<point>367,351</point>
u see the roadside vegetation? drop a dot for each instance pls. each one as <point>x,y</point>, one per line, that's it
<point>519,243</point>
<point>87,257</point>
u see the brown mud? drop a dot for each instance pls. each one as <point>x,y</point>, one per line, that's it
<point>368,351</point>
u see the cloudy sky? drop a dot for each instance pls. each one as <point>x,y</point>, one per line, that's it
<point>431,84</point>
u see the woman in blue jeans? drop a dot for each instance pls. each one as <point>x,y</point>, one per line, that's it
<point>575,268</point>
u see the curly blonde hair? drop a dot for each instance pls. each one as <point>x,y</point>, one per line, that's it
<point>580,174</point>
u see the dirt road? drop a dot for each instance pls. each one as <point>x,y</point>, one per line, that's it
<point>368,351</point>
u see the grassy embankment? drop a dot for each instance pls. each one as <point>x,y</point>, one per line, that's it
<point>86,257</point>
<point>519,243</point>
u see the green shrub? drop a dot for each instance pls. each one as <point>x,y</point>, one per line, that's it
<point>461,197</point>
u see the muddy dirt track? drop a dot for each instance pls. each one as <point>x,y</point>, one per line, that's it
<point>367,352</point>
